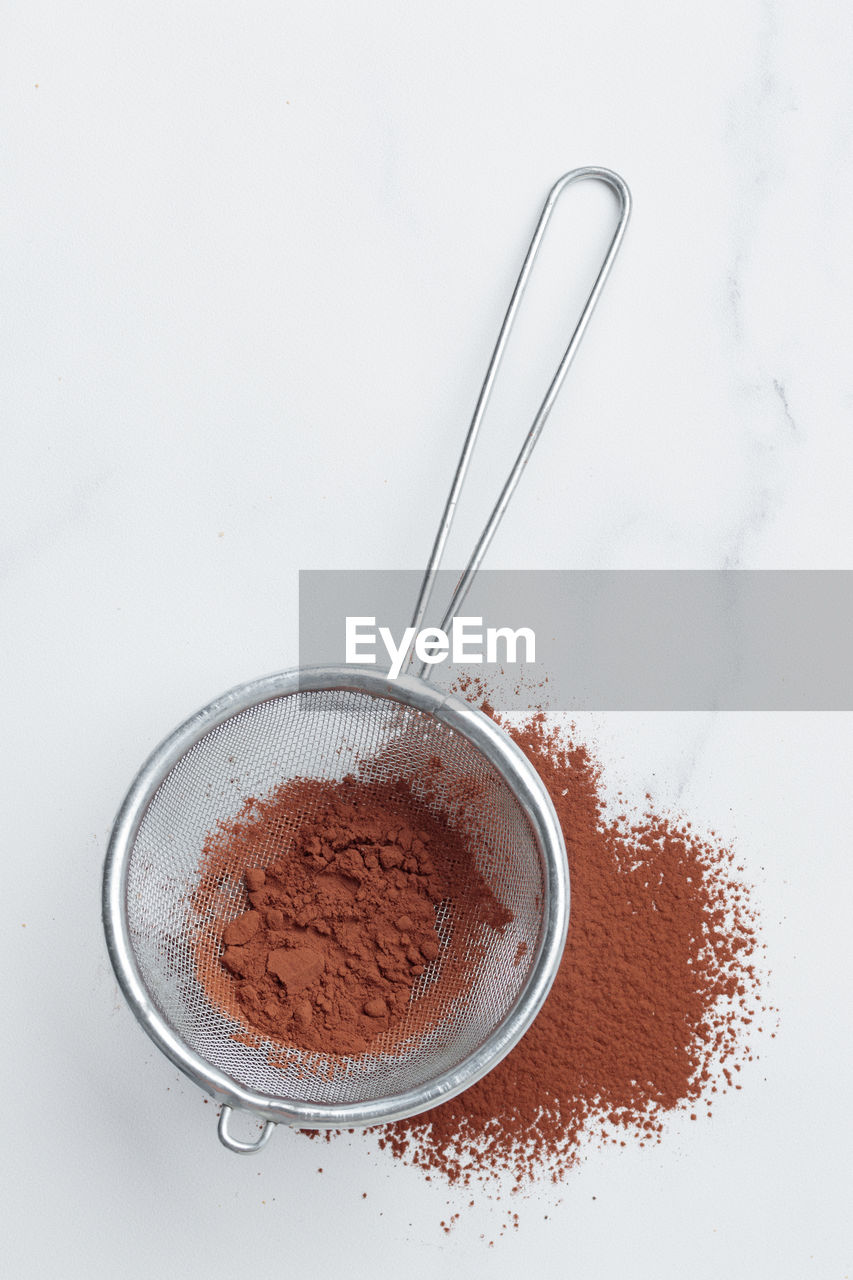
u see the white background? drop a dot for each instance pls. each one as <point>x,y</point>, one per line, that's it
<point>254,258</point>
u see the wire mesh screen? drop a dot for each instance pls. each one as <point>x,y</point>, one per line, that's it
<point>328,734</point>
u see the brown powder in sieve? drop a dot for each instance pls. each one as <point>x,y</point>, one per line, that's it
<point>337,944</point>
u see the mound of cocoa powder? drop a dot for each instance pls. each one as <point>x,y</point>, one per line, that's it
<point>655,1008</point>
<point>340,911</point>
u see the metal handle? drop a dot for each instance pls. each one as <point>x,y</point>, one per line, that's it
<point>235,1144</point>
<point>618,184</point>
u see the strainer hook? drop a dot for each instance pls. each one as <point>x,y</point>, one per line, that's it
<point>226,1137</point>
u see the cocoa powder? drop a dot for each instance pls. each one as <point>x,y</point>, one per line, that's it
<point>339,919</point>
<point>653,1008</point>
<point>652,1011</point>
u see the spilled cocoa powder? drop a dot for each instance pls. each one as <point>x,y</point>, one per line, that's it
<point>653,1009</point>
<point>339,921</point>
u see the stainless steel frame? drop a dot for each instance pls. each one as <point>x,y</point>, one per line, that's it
<point>413,691</point>
<point>498,749</point>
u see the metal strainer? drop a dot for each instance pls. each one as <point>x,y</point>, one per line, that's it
<point>325,723</point>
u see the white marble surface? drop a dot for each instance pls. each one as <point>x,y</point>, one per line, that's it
<point>254,259</point>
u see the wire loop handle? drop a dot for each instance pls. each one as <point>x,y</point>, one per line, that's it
<point>618,185</point>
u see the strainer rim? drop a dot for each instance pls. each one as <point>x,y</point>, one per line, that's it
<point>497,747</point>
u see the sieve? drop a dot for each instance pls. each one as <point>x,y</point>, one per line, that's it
<point>324,723</point>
